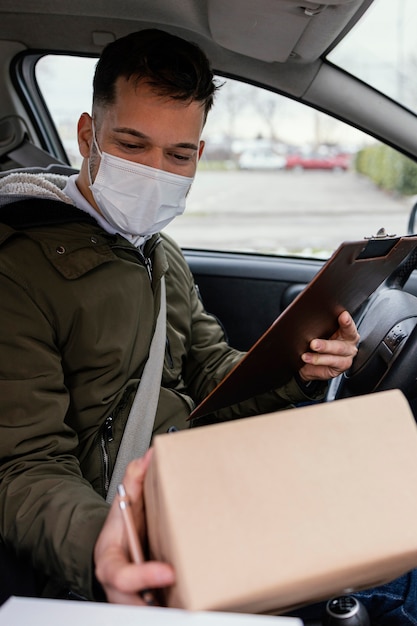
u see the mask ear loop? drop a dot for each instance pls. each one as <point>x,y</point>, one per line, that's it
<point>93,127</point>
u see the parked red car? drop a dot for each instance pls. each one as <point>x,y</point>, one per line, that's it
<point>336,162</point>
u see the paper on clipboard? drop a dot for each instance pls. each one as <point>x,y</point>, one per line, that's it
<point>43,611</point>
<point>345,281</point>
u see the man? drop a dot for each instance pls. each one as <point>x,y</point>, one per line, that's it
<point>81,290</point>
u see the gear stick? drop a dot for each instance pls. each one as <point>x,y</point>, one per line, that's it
<point>345,611</point>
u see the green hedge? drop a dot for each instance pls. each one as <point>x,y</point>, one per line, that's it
<point>388,169</point>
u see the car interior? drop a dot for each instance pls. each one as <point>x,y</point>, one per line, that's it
<point>285,47</point>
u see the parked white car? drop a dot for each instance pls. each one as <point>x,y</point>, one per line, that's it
<point>261,159</point>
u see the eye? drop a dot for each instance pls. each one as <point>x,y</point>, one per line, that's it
<point>131,146</point>
<point>181,156</point>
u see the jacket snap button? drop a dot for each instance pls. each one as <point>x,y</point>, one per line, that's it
<point>93,239</point>
<point>61,250</point>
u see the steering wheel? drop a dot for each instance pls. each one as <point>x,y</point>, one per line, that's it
<point>387,356</point>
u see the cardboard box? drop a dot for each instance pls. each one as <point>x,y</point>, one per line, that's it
<point>271,512</point>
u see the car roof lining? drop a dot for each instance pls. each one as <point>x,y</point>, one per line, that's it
<point>289,35</point>
<point>292,65</point>
<point>268,30</point>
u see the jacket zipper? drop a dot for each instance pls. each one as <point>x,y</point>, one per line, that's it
<point>148,265</point>
<point>146,259</point>
<point>105,438</point>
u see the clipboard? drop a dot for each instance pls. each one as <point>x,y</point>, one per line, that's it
<point>344,282</point>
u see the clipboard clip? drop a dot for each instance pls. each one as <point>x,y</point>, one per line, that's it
<point>381,234</point>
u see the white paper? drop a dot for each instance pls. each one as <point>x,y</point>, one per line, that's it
<point>40,612</point>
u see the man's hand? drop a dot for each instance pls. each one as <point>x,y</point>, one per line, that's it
<point>121,579</point>
<point>330,357</point>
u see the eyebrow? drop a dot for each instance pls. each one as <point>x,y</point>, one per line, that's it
<point>137,133</point>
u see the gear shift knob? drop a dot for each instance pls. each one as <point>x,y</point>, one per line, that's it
<point>345,611</point>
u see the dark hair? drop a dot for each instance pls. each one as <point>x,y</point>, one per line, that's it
<point>173,66</point>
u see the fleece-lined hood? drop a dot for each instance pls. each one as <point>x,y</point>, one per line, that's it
<point>20,185</point>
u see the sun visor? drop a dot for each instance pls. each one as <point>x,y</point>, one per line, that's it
<point>270,30</point>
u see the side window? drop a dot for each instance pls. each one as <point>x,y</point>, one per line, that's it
<point>276,177</point>
<point>66,86</point>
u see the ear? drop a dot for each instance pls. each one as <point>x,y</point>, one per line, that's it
<point>201,149</point>
<point>85,134</point>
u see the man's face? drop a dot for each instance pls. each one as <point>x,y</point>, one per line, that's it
<point>145,128</point>
<point>152,130</point>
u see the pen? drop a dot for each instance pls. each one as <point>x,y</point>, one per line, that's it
<point>132,538</point>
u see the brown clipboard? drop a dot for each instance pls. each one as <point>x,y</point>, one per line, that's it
<point>344,282</point>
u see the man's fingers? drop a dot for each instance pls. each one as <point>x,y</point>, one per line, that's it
<point>342,343</point>
<point>328,358</point>
<point>126,584</point>
<point>135,476</point>
<point>123,582</point>
<point>347,330</point>
<point>148,575</point>
<point>331,347</point>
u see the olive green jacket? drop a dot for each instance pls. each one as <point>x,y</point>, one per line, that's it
<point>77,314</point>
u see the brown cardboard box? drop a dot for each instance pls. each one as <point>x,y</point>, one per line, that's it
<point>267,513</point>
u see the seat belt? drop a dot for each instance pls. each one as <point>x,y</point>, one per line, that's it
<point>16,146</point>
<point>138,431</point>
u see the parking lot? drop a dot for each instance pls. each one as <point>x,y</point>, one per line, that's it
<point>307,212</point>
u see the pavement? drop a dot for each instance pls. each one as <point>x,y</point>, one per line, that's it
<point>308,213</point>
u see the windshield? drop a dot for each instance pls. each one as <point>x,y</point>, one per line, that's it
<point>381,50</point>
<point>277,176</point>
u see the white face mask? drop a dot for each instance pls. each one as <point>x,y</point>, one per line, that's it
<point>137,199</point>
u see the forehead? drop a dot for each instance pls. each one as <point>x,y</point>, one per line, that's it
<point>138,106</point>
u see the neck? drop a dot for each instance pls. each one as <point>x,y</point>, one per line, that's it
<point>83,184</point>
